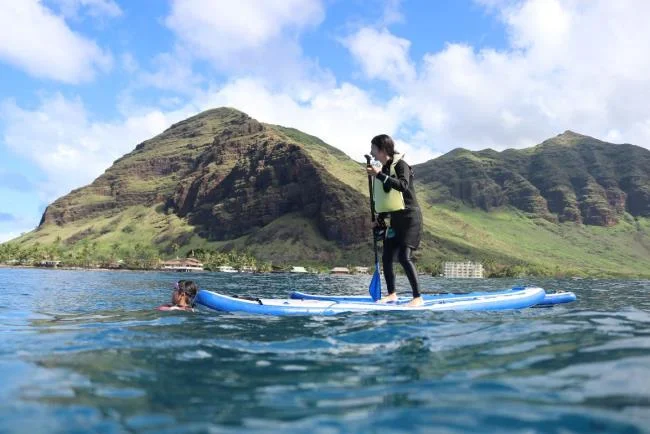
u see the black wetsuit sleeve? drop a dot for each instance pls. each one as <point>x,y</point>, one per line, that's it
<point>400,182</point>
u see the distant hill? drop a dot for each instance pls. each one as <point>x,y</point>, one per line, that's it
<point>568,178</point>
<point>222,180</point>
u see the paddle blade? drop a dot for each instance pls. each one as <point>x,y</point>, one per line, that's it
<point>375,285</point>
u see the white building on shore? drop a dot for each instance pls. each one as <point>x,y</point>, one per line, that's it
<point>463,270</point>
<point>182,265</point>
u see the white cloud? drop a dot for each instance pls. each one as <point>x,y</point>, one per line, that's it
<point>94,8</point>
<point>382,55</point>
<point>129,63</point>
<point>344,116</point>
<point>569,65</point>
<point>250,37</point>
<point>541,27</point>
<point>70,148</point>
<point>392,12</point>
<point>32,38</point>
<point>173,71</point>
<point>222,30</point>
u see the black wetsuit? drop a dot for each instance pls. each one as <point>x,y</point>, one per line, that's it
<point>403,235</point>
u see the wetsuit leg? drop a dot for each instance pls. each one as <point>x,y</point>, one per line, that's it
<point>404,257</point>
<point>387,262</point>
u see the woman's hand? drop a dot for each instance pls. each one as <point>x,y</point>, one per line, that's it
<point>372,170</point>
<point>379,230</point>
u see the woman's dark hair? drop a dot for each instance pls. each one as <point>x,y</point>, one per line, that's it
<point>383,142</point>
<point>190,288</point>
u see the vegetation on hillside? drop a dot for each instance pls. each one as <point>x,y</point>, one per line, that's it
<point>221,182</point>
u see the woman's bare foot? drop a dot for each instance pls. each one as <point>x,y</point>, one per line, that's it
<point>417,301</point>
<point>388,298</point>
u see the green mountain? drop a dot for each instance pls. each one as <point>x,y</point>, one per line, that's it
<point>221,180</point>
<point>572,204</point>
<point>568,178</point>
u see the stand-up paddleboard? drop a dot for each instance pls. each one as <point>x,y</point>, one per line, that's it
<point>549,299</point>
<point>519,299</point>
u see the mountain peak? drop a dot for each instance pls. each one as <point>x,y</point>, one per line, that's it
<point>222,115</point>
<point>569,138</point>
<point>456,152</point>
<point>569,133</point>
<point>219,112</point>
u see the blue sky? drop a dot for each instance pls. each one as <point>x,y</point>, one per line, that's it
<point>84,81</point>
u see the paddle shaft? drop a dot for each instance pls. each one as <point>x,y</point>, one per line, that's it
<point>372,210</point>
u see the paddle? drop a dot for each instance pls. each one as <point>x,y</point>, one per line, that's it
<point>375,283</point>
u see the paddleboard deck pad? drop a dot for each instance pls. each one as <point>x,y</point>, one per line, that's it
<point>550,299</point>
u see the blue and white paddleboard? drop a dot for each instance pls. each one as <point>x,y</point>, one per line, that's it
<point>549,299</point>
<point>511,299</point>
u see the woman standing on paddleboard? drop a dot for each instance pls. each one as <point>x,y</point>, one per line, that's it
<point>394,197</point>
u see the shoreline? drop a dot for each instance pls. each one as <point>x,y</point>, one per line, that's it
<point>150,270</point>
<point>161,270</point>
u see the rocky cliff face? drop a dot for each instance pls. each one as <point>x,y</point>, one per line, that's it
<point>568,178</point>
<point>269,178</point>
<point>228,175</point>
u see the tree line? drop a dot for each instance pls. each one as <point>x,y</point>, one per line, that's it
<point>138,256</point>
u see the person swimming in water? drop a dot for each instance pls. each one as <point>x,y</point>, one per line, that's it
<point>182,297</point>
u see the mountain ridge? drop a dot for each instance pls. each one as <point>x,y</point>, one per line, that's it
<point>570,177</point>
<point>222,180</point>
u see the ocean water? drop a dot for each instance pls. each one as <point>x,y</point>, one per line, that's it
<point>85,351</point>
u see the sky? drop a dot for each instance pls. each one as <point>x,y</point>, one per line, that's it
<point>82,82</point>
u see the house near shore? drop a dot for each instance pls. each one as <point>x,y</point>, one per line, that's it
<point>298,270</point>
<point>463,270</point>
<point>182,265</point>
<point>340,270</point>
